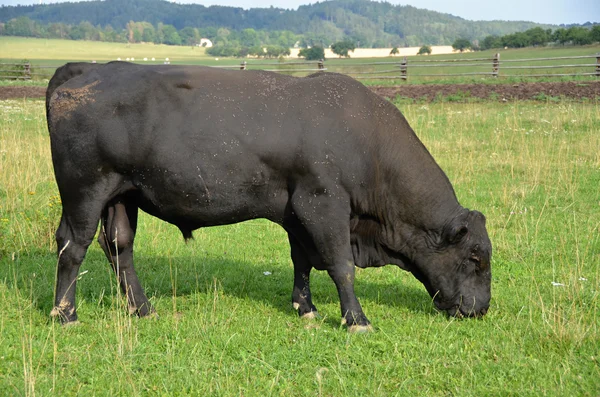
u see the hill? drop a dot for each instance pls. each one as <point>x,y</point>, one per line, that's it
<point>369,23</point>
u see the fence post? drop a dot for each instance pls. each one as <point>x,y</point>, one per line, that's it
<point>321,64</point>
<point>404,69</point>
<point>598,64</point>
<point>496,65</point>
<point>27,71</point>
<point>243,66</point>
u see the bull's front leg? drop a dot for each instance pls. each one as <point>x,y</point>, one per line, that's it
<point>342,275</point>
<point>326,221</point>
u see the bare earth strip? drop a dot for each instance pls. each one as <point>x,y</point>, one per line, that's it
<point>22,92</point>
<point>428,92</point>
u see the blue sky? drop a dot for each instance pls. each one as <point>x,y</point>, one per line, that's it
<point>541,11</point>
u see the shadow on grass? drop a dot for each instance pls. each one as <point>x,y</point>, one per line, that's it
<point>164,277</point>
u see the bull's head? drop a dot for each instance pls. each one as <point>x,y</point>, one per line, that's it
<point>453,262</point>
<point>455,266</point>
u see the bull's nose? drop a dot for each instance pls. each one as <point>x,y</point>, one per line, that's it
<point>473,313</point>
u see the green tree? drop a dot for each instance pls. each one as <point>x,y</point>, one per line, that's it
<point>190,36</point>
<point>341,48</point>
<point>595,33</point>
<point>560,36</point>
<point>462,44</point>
<point>394,51</point>
<point>21,26</point>
<point>58,31</point>
<point>579,35</point>
<point>249,38</point>
<point>537,36</point>
<point>149,34</point>
<point>256,51</point>
<point>490,42</point>
<point>223,51</point>
<point>424,50</point>
<point>171,35</point>
<point>516,40</point>
<point>159,37</point>
<point>287,39</point>
<point>313,53</point>
<point>275,51</point>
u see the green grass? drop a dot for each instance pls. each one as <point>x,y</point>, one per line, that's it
<point>46,54</point>
<point>226,328</point>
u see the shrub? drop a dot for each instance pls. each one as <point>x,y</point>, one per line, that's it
<point>424,50</point>
<point>313,53</point>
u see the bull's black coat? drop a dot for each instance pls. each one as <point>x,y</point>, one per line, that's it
<point>337,166</point>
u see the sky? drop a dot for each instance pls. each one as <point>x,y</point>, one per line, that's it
<point>541,11</point>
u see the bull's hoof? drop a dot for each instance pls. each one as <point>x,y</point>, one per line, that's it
<point>70,324</point>
<point>55,312</point>
<point>310,315</point>
<point>359,325</point>
<point>307,311</point>
<point>151,316</point>
<point>144,310</point>
<point>360,329</point>
<point>65,317</point>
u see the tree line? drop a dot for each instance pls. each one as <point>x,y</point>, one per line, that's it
<point>575,35</point>
<point>368,24</point>
<point>537,36</point>
<point>137,32</point>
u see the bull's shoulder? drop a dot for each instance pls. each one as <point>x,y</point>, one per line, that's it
<point>335,78</point>
<point>342,84</point>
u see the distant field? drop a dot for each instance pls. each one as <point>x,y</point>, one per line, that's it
<point>52,53</point>
<point>227,328</point>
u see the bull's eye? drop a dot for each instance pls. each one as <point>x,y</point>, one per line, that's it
<point>476,262</point>
<point>475,256</point>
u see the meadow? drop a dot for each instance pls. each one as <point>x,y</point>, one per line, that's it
<point>226,324</point>
<point>47,54</point>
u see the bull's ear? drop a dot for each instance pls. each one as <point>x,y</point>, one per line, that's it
<point>458,227</point>
<point>457,233</point>
<point>461,233</point>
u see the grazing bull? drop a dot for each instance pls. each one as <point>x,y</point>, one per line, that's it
<point>335,165</point>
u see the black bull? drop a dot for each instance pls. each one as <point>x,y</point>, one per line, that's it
<point>335,165</point>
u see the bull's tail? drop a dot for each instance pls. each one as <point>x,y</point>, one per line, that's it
<point>64,74</point>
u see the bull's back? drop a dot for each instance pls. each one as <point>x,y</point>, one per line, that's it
<point>254,125</point>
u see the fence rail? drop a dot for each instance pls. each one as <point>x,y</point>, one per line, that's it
<point>401,69</point>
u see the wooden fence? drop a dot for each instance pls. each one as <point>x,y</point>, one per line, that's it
<point>402,69</point>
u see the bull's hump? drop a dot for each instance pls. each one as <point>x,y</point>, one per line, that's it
<point>65,100</point>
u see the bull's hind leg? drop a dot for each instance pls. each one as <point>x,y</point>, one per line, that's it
<point>119,223</point>
<point>78,225</point>
<point>301,296</point>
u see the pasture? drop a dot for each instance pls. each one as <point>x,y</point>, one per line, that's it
<point>226,325</point>
<point>45,54</point>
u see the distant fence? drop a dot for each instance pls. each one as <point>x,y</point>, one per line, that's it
<point>25,71</point>
<point>401,69</point>
<point>491,67</point>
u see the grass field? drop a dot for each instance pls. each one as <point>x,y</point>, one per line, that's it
<point>227,328</point>
<point>46,54</point>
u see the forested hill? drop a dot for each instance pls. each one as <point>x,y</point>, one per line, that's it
<point>369,23</point>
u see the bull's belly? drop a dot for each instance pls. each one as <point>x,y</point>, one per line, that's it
<point>199,206</point>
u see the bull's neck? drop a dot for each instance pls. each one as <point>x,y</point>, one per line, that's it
<point>409,193</point>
